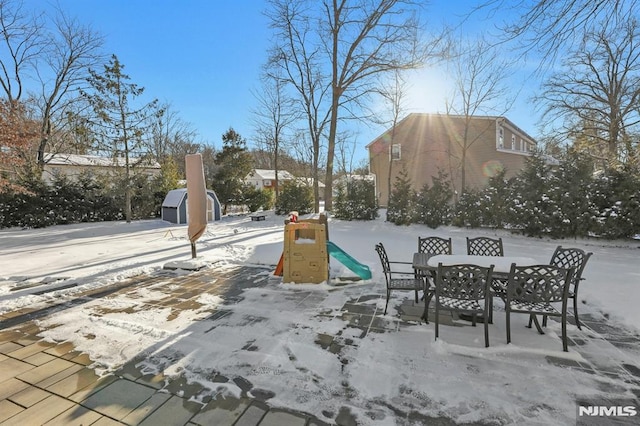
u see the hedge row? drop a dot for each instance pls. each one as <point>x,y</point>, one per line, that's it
<point>568,200</point>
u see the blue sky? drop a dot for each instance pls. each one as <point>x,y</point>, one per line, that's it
<point>204,58</point>
<point>201,56</point>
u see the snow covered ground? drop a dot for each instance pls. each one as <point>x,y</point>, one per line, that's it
<point>455,376</point>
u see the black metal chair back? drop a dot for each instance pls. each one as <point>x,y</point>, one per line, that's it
<point>464,288</point>
<point>434,245</point>
<point>572,258</point>
<point>485,246</point>
<point>533,289</point>
<point>384,261</point>
<point>398,280</point>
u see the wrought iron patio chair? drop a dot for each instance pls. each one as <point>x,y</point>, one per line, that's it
<point>572,258</point>
<point>433,246</point>
<point>534,290</point>
<point>465,289</point>
<point>485,246</point>
<point>398,280</point>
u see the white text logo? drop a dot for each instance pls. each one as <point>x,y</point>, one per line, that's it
<point>607,411</point>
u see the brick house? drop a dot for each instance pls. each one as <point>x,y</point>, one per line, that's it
<point>427,143</point>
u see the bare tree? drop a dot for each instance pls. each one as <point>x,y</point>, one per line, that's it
<point>346,145</point>
<point>299,55</point>
<point>55,53</point>
<point>334,49</point>
<point>479,75</point>
<point>22,44</point>
<point>597,92</point>
<point>549,28</point>
<point>303,156</point>
<point>364,39</point>
<point>72,50</point>
<point>208,161</point>
<point>394,94</point>
<point>169,134</point>
<point>273,116</point>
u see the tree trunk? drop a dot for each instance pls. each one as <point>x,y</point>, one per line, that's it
<point>331,149</point>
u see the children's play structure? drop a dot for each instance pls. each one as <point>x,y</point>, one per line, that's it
<point>305,258</point>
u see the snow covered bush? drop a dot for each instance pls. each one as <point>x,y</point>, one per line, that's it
<point>616,197</point>
<point>295,197</point>
<point>433,203</point>
<point>356,200</point>
<point>401,208</point>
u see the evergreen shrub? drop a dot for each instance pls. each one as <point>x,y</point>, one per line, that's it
<point>433,203</point>
<point>401,209</point>
<point>356,201</point>
<point>295,197</point>
<point>256,198</point>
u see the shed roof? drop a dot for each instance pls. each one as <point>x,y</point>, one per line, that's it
<point>174,197</point>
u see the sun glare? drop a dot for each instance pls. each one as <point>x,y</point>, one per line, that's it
<point>427,90</point>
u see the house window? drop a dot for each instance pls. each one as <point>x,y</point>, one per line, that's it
<point>513,142</point>
<point>395,151</point>
<point>266,182</point>
<point>500,138</point>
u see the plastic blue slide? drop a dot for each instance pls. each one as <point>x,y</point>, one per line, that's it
<point>345,258</point>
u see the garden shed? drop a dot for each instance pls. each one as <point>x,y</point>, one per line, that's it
<point>175,205</point>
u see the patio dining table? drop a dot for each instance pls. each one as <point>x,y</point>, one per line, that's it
<point>501,268</point>
<point>428,263</point>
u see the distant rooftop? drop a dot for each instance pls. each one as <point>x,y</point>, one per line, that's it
<point>271,174</point>
<point>95,160</point>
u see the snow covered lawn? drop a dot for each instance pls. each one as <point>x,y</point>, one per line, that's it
<point>388,366</point>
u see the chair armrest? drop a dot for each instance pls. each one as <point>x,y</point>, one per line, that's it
<point>402,263</point>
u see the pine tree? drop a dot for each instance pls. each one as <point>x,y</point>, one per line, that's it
<point>356,200</point>
<point>402,201</point>
<point>569,187</point>
<point>433,202</point>
<point>532,205</point>
<point>494,200</point>
<point>119,124</point>
<point>295,196</point>
<point>616,196</point>
<point>235,164</point>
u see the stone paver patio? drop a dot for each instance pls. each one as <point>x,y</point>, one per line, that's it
<point>48,383</point>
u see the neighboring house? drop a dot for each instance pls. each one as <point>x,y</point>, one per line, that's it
<point>262,178</point>
<point>73,165</point>
<point>427,143</point>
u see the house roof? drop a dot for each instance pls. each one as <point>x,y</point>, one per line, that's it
<point>349,177</point>
<point>425,116</point>
<point>96,161</point>
<point>270,174</point>
<point>309,181</point>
